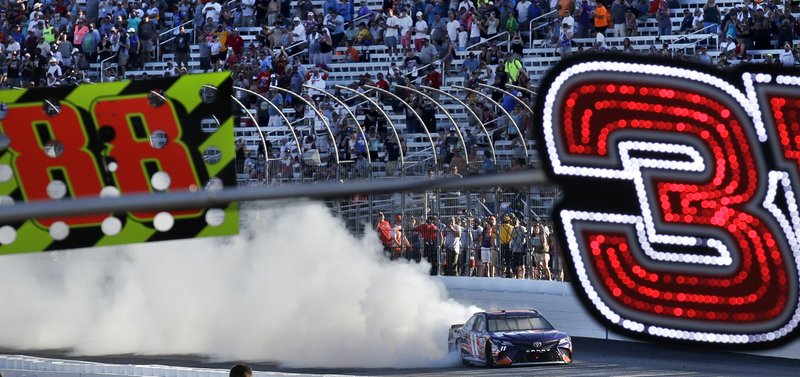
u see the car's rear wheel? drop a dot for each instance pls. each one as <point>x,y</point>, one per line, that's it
<point>488,355</point>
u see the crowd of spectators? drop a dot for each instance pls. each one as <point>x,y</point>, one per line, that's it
<point>501,245</point>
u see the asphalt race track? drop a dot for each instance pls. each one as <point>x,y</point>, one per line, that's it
<point>593,357</point>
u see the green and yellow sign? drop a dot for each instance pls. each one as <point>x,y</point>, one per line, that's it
<point>111,139</point>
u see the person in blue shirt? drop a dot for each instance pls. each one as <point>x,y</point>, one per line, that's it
<point>470,64</point>
<point>329,5</point>
<point>509,103</point>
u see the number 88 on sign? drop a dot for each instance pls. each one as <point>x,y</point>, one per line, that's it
<point>113,139</point>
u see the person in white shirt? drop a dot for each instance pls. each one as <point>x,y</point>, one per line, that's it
<point>452,28</point>
<point>420,31</point>
<point>600,42</point>
<point>248,10</point>
<point>462,39</point>
<point>787,57</point>
<point>215,46</point>
<point>392,32</point>
<point>299,31</point>
<point>212,10</point>
<point>54,69</point>
<point>522,11</point>
<point>12,46</point>
<point>405,23</point>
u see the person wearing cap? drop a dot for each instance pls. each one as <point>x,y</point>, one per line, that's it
<point>298,31</point>
<point>420,32</point>
<point>134,49</point>
<point>53,68</point>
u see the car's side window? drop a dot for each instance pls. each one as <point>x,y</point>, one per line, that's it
<point>478,324</point>
<point>470,323</point>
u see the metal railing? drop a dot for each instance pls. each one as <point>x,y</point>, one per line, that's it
<point>686,36</point>
<point>530,24</point>
<point>695,43</point>
<point>103,67</point>
<point>505,33</point>
<point>172,30</point>
<point>425,67</point>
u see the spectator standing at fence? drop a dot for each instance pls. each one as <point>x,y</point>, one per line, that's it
<point>465,254</point>
<point>400,244</point>
<point>384,229</point>
<point>489,254</point>
<point>430,238</point>
<point>541,251</point>
<point>504,239</point>
<point>476,241</point>
<point>519,248</point>
<point>452,246</point>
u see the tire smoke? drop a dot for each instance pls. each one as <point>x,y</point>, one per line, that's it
<point>294,288</point>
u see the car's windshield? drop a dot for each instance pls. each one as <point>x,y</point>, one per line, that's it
<point>519,324</point>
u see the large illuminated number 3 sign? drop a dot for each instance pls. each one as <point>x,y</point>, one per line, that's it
<point>680,216</point>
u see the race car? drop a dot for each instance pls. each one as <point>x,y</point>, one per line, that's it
<point>509,337</point>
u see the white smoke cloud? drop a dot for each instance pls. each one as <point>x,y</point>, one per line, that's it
<point>299,290</point>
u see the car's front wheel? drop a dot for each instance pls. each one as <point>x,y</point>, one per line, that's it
<point>488,355</point>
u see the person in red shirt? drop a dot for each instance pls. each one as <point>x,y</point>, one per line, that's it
<point>384,229</point>
<point>235,43</point>
<point>430,237</point>
<point>434,79</point>
<point>263,81</point>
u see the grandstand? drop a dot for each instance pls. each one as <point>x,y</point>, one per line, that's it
<point>310,143</point>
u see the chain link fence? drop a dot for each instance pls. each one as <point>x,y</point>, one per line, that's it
<point>411,214</point>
